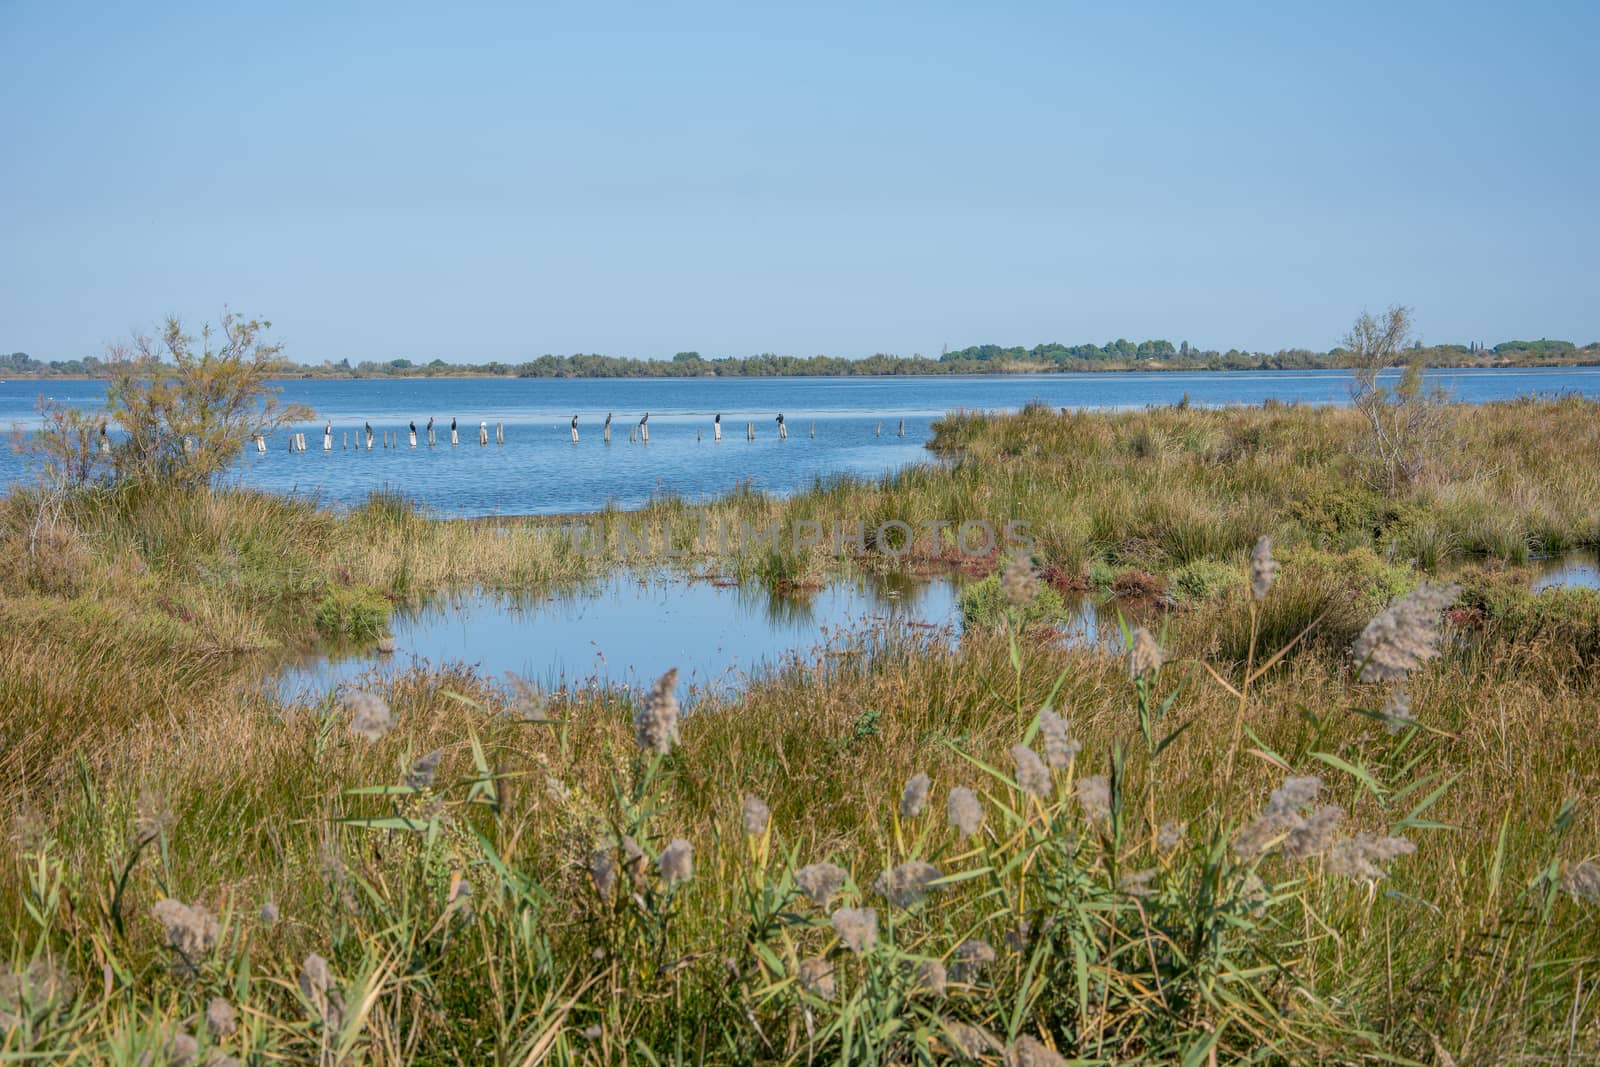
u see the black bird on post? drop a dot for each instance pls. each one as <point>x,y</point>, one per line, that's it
<point>413,427</point>
<point>644,428</point>
<point>574,429</point>
<point>716,427</point>
<point>783,431</point>
<point>606,430</point>
<point>452,425</point>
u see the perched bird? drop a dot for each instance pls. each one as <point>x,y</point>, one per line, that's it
<point>780,418</point>
<point>574,422</point>
<point>608,420</point>
<point>452,425</point>
<point>645,419</point>
<point>413,426</point>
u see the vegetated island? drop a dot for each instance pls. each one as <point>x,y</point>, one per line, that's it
<point>1119,355</point>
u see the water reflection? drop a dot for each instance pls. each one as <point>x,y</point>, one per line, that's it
<point>629,627</point>
<point>1571,570</point>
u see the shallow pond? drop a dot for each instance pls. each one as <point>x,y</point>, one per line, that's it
<point>1570,570</point>
<point>628,628</point>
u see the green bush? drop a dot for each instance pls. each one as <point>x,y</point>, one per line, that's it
<point>1204,580</point>
<point>984,604</point>
<point>358,613</point>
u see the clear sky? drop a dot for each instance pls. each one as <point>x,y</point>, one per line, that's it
<point>476,182</point>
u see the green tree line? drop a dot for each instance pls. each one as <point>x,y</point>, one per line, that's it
<point>1118,355</point>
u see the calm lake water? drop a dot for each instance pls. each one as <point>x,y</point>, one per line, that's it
<point>539,470</point>
<point>630,627</point>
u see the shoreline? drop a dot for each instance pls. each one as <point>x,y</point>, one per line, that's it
<point>1037,372</point>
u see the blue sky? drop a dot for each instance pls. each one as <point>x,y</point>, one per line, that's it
<point>477,182</point>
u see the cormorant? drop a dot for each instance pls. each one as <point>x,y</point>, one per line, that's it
<point>413,427</point>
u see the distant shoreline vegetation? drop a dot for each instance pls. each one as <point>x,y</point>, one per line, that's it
<point>1120,355</point>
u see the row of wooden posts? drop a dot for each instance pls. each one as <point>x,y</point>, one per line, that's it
<point>639,433</point>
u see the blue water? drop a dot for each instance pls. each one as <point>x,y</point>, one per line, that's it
<point>629,628</point>
<point>538,471</point>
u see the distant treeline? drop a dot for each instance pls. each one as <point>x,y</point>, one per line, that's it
<point>1119,355</point>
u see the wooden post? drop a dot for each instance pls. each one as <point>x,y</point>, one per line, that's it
<point>412,437</point>
<point>716,430</point>
<point>880,429</point>
<point>813,431</point>
<point>749,431</point>
<point>605,431</point>
<point>644,433</point>
<point>261,444</point>
<point>902,427</point>
<point>483,434</point>
<point>327,439</point>
<point>499,433</point>
<point>783,431</point>
<point>455,438</point>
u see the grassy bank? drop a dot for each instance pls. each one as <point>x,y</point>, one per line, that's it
<point>348,897</point>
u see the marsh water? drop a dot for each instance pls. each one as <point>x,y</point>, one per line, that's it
<point>629,627</point>
<point>540,471</point>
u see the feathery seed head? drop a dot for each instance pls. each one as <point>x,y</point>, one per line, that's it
<point>191,933</point>
<point>969,959</point>
<point>655,723</point>
<point>816,977</point>
<point>1018,581</point>
<point>1033,777</point>
<point>1397,712</point>
<point>1263,568</point>
<point>421,774</point>
<point>1060,749</point>
<point>915,796</point>
<point>1170,836</point>
<point>820,882</point>
<point>603,872</point>
<point>755,815</point>
<point>370,716</point>
<point>1137,883</point>
<point>930,978</point>
<point>182,1049</point>
<point>1581,880</point>
<point>857,928</point>
<point>908,883</point>
<point>220,1017</point>
<point>1144,654</point>
<point>1094,799</point>
<point>1366,857</point>
<point>269,913</point>
<point>677,862</point>
<point>1403,636</point>
<point>970,1042</point>
<point>965,811</point>
<point>1027,1052</point>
